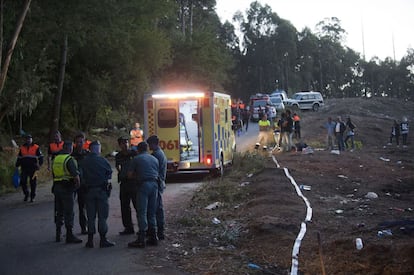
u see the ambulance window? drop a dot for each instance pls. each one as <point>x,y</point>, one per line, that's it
<point>226,116</point>
<point>167,118</point>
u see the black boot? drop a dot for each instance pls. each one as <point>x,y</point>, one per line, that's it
<point>58,233</point>
<point>160,233</point>
<point>152,237</point>
<point>70,238</point>
<point>89,243</point>
<point>104,242</point>
<point>139,242</point>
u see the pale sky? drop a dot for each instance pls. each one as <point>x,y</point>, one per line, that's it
<point>378,21</point>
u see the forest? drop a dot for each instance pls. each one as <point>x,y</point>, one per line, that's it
<point>80,64</point>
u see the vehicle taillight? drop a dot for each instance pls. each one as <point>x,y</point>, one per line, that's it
<point>209,159</point>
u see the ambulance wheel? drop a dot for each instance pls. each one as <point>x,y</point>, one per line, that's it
<point>219,171</point>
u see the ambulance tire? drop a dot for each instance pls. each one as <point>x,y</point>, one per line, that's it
<point>219,172</point>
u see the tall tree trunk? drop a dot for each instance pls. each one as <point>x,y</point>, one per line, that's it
<point>59,92</point>
<point>13,41</point>
<point>190,4</point>
<point>182,15</point>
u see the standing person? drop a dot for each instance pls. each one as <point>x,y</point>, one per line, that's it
<point>350,134</point>
<point>30,158</point>
<point>296,125</point>
<point>330,127</point>
<point>264,127</point>
<point>340,128</point>
<point>65,181</point>
<point>395,133</point>
<point>54,148</point>
<point>246,117</point>
<point>96,173</point>
<point>128,188</point>
<point>404,131</point>
<point>145,170</point>
<point>79,153</point>
<point>137,136</point>
<point>158,153</point>
<point>289,129</point>
<point>282,139</point>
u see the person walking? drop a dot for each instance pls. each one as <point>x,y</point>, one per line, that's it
<point>395,133</point>
<point>264,127</point>
<point>330,128</point>
<point>158,153</point>
<point>350,134</point>
<point>65,181</point>
<point>54,148</point>
<point>136,136</point>
<point>340,128</point>
<point>30,159</point>
<point>246,118</point>
<point>404,129</point>
<point>96,173</point>
<point>145,170</point>
<point>128,188</point>
<point>79,153</point>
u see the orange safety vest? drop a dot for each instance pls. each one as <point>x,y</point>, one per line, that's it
<point>56,147</point>
<point>136,137</point>
<point>29,151</point>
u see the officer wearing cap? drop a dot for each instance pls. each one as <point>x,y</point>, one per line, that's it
<point>144,169</point>
<point>158,153</point>
<point>65,181</point>
<point>96,173</point>
<point>30,158</point>
<point>128,188</point>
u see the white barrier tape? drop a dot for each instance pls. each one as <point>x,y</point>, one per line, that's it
<point>299,238</point>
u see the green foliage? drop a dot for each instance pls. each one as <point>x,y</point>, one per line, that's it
<point>6,171</point>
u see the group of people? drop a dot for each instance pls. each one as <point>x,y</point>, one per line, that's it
<point>285,129</point>
<point>399,129</point>
<point>79,170</point>
<point>340,132</point>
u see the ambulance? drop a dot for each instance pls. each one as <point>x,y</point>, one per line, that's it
<point>194,129</point>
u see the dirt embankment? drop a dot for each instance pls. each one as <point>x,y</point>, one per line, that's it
<point>260,216</point>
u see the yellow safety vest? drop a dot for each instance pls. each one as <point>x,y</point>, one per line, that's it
<point>60,171</point>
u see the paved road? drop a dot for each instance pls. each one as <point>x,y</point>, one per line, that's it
<point>27,239</point>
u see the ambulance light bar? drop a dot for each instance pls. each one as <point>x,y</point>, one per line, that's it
<point>179,95</point>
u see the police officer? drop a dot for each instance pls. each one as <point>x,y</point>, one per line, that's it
<point>96,173</point>
<point>65,181</point>
<point>144,169</point>
<point>158,153</point>
<point>54,148</point>
<point>30,158</point>
<point>128,187</point>
<point>79,153</point>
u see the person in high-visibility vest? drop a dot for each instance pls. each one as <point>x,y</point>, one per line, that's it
<point>54,148</point>
<point>137,136</point>
<point>65,181</point>
<point>264,127</point>
<point>30,158</point>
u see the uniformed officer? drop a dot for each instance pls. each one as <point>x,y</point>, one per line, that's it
<point>65,181</point>
<point>144,169</point>
<point>96,173</point>
<point>54,148</point>
<point>157,152</point>
<point>79,153</point>
<point>30,158</point>
<point>128,188</point>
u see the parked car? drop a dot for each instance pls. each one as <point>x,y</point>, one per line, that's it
<point>261,105</point>
<point>305,101</point>
<point>278,103</point>
<point>280,93</point>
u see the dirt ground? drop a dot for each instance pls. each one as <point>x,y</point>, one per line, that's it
<point>260,214</point>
